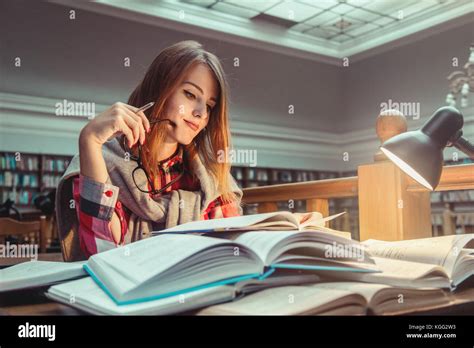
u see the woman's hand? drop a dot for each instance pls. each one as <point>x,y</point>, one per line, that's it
<point>118,119</point>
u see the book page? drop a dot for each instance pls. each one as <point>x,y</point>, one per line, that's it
<point>464,267</point>
<point>442,251</point>
<point>316,219</point>
<point>308,217</point>
<point>286,279</point>
<point>287,300</point>
<point>133,264</point>
<point>368,290</point>
<point>233,222</point>
<point>269,245</point>
<point>35,273</point>
<point>262,242</point>
<point>385,299</point>
<point>404,274</point>
<point>89,297</point>
<point>343,234</point>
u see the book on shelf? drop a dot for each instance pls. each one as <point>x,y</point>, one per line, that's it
<point>285,176</point>
<point>333,298</point>
<point>251,173</point>
<point>438,262</point>
<point>327,175</point>
<point>262,175</point>
<point>50,181</point>
<point>275,221</point>
<point>89,297</point>
<point>10,179</point>
<point>453,196</point>
<point>55,164</point>
<point>39,273</point>
<point>18,161</point>
<point>237,173</point>
<point>169,264</point>
<point>23,197</point>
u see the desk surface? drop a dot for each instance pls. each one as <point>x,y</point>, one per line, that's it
<point>34,302</point>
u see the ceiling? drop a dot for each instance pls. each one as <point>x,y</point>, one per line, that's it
<point>331,29</point>
<point>332,20</point>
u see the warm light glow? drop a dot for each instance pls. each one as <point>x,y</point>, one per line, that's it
<point>406,168</point>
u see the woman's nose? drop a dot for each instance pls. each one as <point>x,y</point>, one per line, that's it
<point>199,111</point>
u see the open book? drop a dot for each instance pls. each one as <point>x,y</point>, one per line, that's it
<point>39,273</point>
<point>333,298</point>
<point>441,262</point>
<point>276,221</point>
<point>89,297</point>
<point>170,264</point>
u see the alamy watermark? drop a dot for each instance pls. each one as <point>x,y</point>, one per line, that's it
<point>344,251</point>
<point>241,156</point>
<point>408,109</point>
<point>80,109</point>
<point>27,251</point>
<point>28,330</point>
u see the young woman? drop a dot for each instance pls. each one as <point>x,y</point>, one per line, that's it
<point>139,171</point>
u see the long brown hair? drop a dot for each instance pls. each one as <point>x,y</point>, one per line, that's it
<point>164,75</point>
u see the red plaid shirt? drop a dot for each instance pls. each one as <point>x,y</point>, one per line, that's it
<point>96,202</point>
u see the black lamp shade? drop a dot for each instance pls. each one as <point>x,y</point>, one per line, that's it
<point>417,155</point>
<point>420,153</point>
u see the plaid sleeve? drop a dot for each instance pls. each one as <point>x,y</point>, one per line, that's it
<point>95,204</point>
<point>218,209</point>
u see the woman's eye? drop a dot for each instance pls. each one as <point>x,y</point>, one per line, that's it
<point>209,109</point>
<point>189,95</point>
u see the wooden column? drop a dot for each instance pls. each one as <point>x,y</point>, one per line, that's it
<point>387,210</point>
<point>319,205</point>
<point>449,220</point>
<point>267,207</point>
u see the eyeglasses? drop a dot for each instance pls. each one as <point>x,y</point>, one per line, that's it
<point>140,168</point>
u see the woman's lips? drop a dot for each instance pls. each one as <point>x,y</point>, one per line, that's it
<point>192,126</point>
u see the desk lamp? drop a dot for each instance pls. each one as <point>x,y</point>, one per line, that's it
<point>420,153</point>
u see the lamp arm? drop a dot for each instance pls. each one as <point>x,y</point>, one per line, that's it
<point>461,143</point>
<point>465,146</point>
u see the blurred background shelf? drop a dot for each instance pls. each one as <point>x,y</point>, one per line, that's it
<point>23,176</point>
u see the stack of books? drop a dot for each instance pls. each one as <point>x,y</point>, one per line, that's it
<point>275,264</point>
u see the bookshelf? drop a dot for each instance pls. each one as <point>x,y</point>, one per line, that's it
<point>453,211</point>
<point>25,175</point>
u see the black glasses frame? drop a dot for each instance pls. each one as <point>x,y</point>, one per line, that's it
<point>138,159</point>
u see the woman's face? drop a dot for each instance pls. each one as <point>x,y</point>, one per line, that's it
<point>190,105</point>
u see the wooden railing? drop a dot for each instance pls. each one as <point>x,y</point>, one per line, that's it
<point>389,204</point>
<point>392,206</point>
